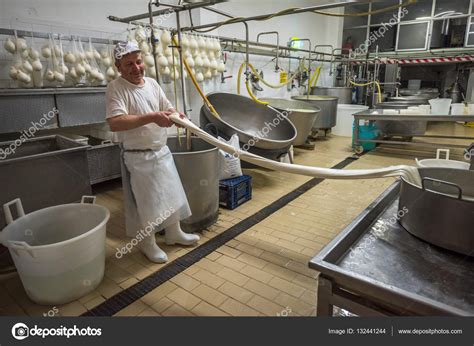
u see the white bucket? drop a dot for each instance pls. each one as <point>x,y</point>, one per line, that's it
<point>445,163</point>
<point>59,251</point>
<point>457,109</point>
<point>440,106</point>
<point>345,119</point>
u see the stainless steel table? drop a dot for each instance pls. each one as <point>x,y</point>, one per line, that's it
<point>368,115</point>
<point>374,271</point>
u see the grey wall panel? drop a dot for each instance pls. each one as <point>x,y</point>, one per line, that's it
<point>81,109</point>
<point>20,112</point>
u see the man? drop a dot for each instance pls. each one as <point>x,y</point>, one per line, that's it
<point>138,110</point>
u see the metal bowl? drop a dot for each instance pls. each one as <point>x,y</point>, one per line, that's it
<point>243,116</point>
<point>442,209</point>
<point>300,113</point>
<point>328,105</point>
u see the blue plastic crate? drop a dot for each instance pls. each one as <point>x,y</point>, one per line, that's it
<point>235,191</point>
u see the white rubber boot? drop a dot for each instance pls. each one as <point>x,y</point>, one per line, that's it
<point>174,235</point>
<point>151,250</point>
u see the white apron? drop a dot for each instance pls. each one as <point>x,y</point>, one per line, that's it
<point>153,193</point>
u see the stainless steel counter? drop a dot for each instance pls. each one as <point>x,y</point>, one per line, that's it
<point>373,270</point>
<point>369,115</point>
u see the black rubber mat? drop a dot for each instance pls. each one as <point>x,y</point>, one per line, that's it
<point>126,297</point>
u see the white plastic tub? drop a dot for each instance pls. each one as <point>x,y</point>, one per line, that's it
<point>59,251</point>
<point>457,109</point>
<point>440,106</point>
<point>345,119</point>
<point>442,163</point>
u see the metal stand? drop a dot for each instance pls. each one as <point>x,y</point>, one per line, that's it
<point>365,115</point>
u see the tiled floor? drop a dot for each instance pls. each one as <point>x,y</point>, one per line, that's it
<point>262,272</point>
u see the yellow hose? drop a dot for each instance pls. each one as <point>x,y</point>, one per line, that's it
<point>249,90</point>
<point>314,79</point>
<point>196,85</point>
<point>291,9</point>
<point>379,98</point>
<point>382,10</point>
<point>273,86</point>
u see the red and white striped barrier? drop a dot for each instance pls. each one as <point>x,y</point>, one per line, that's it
<point>464,58</point>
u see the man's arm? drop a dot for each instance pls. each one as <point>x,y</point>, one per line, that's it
<point>129,122</point>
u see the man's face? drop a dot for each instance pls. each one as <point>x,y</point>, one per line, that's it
<point>132,68</point>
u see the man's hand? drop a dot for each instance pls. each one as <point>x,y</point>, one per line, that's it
<point>181,115</point>
<point>162,118</point>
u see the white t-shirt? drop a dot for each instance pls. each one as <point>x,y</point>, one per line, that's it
<point>124,97</point>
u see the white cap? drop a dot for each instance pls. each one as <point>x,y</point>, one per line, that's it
<point>123,48</point>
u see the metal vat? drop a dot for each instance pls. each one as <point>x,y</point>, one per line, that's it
<point>300,114</point>
<point>441,211</point>
<point>328,106</point>
<point>344,94</point>
<point>253,122</point>
<point>407,128</point>
<point>43,172</point>
<point>198,170</point>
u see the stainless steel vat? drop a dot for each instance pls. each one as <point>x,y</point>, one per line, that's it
<point>441,211</point>
<point>198,170</point>
<point>300,114</point>
<point>328,106</point>
<point>43,172</point>
<point>344,94</point>
<point>250,120</point>
<point>407,128</point>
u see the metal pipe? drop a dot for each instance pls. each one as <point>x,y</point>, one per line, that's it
<point>160,12</point>
<point>43,35</point>
<point>324,45</point>
<point>309,54</point>
<point>278,44</point>
<point>183,85</point>
<point>153,38</point>
<point>272,15</point>
<point>333,60</point>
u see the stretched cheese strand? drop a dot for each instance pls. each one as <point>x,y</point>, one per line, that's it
<point>408,172</point>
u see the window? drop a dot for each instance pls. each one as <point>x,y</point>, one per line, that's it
<point>356,21</point>
<point>420,9</point>
<point>413,36</point>
<point>450,7</point>
<point>448,33</point>
<point>384,17</point>
<point>383,37</point>
<point>355,39</point>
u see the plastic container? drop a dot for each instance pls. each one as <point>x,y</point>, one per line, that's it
<point>457,109</point>
<point>59,251</point>
<point>440,106</point>
<point>235,191</point>
<point>369,131</point>
<point>345,120</point>
<point>445,163</point>
<point>470,108</point>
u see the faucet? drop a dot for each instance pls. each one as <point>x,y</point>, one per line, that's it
<point>302,77</point>
<point>277,68</point>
